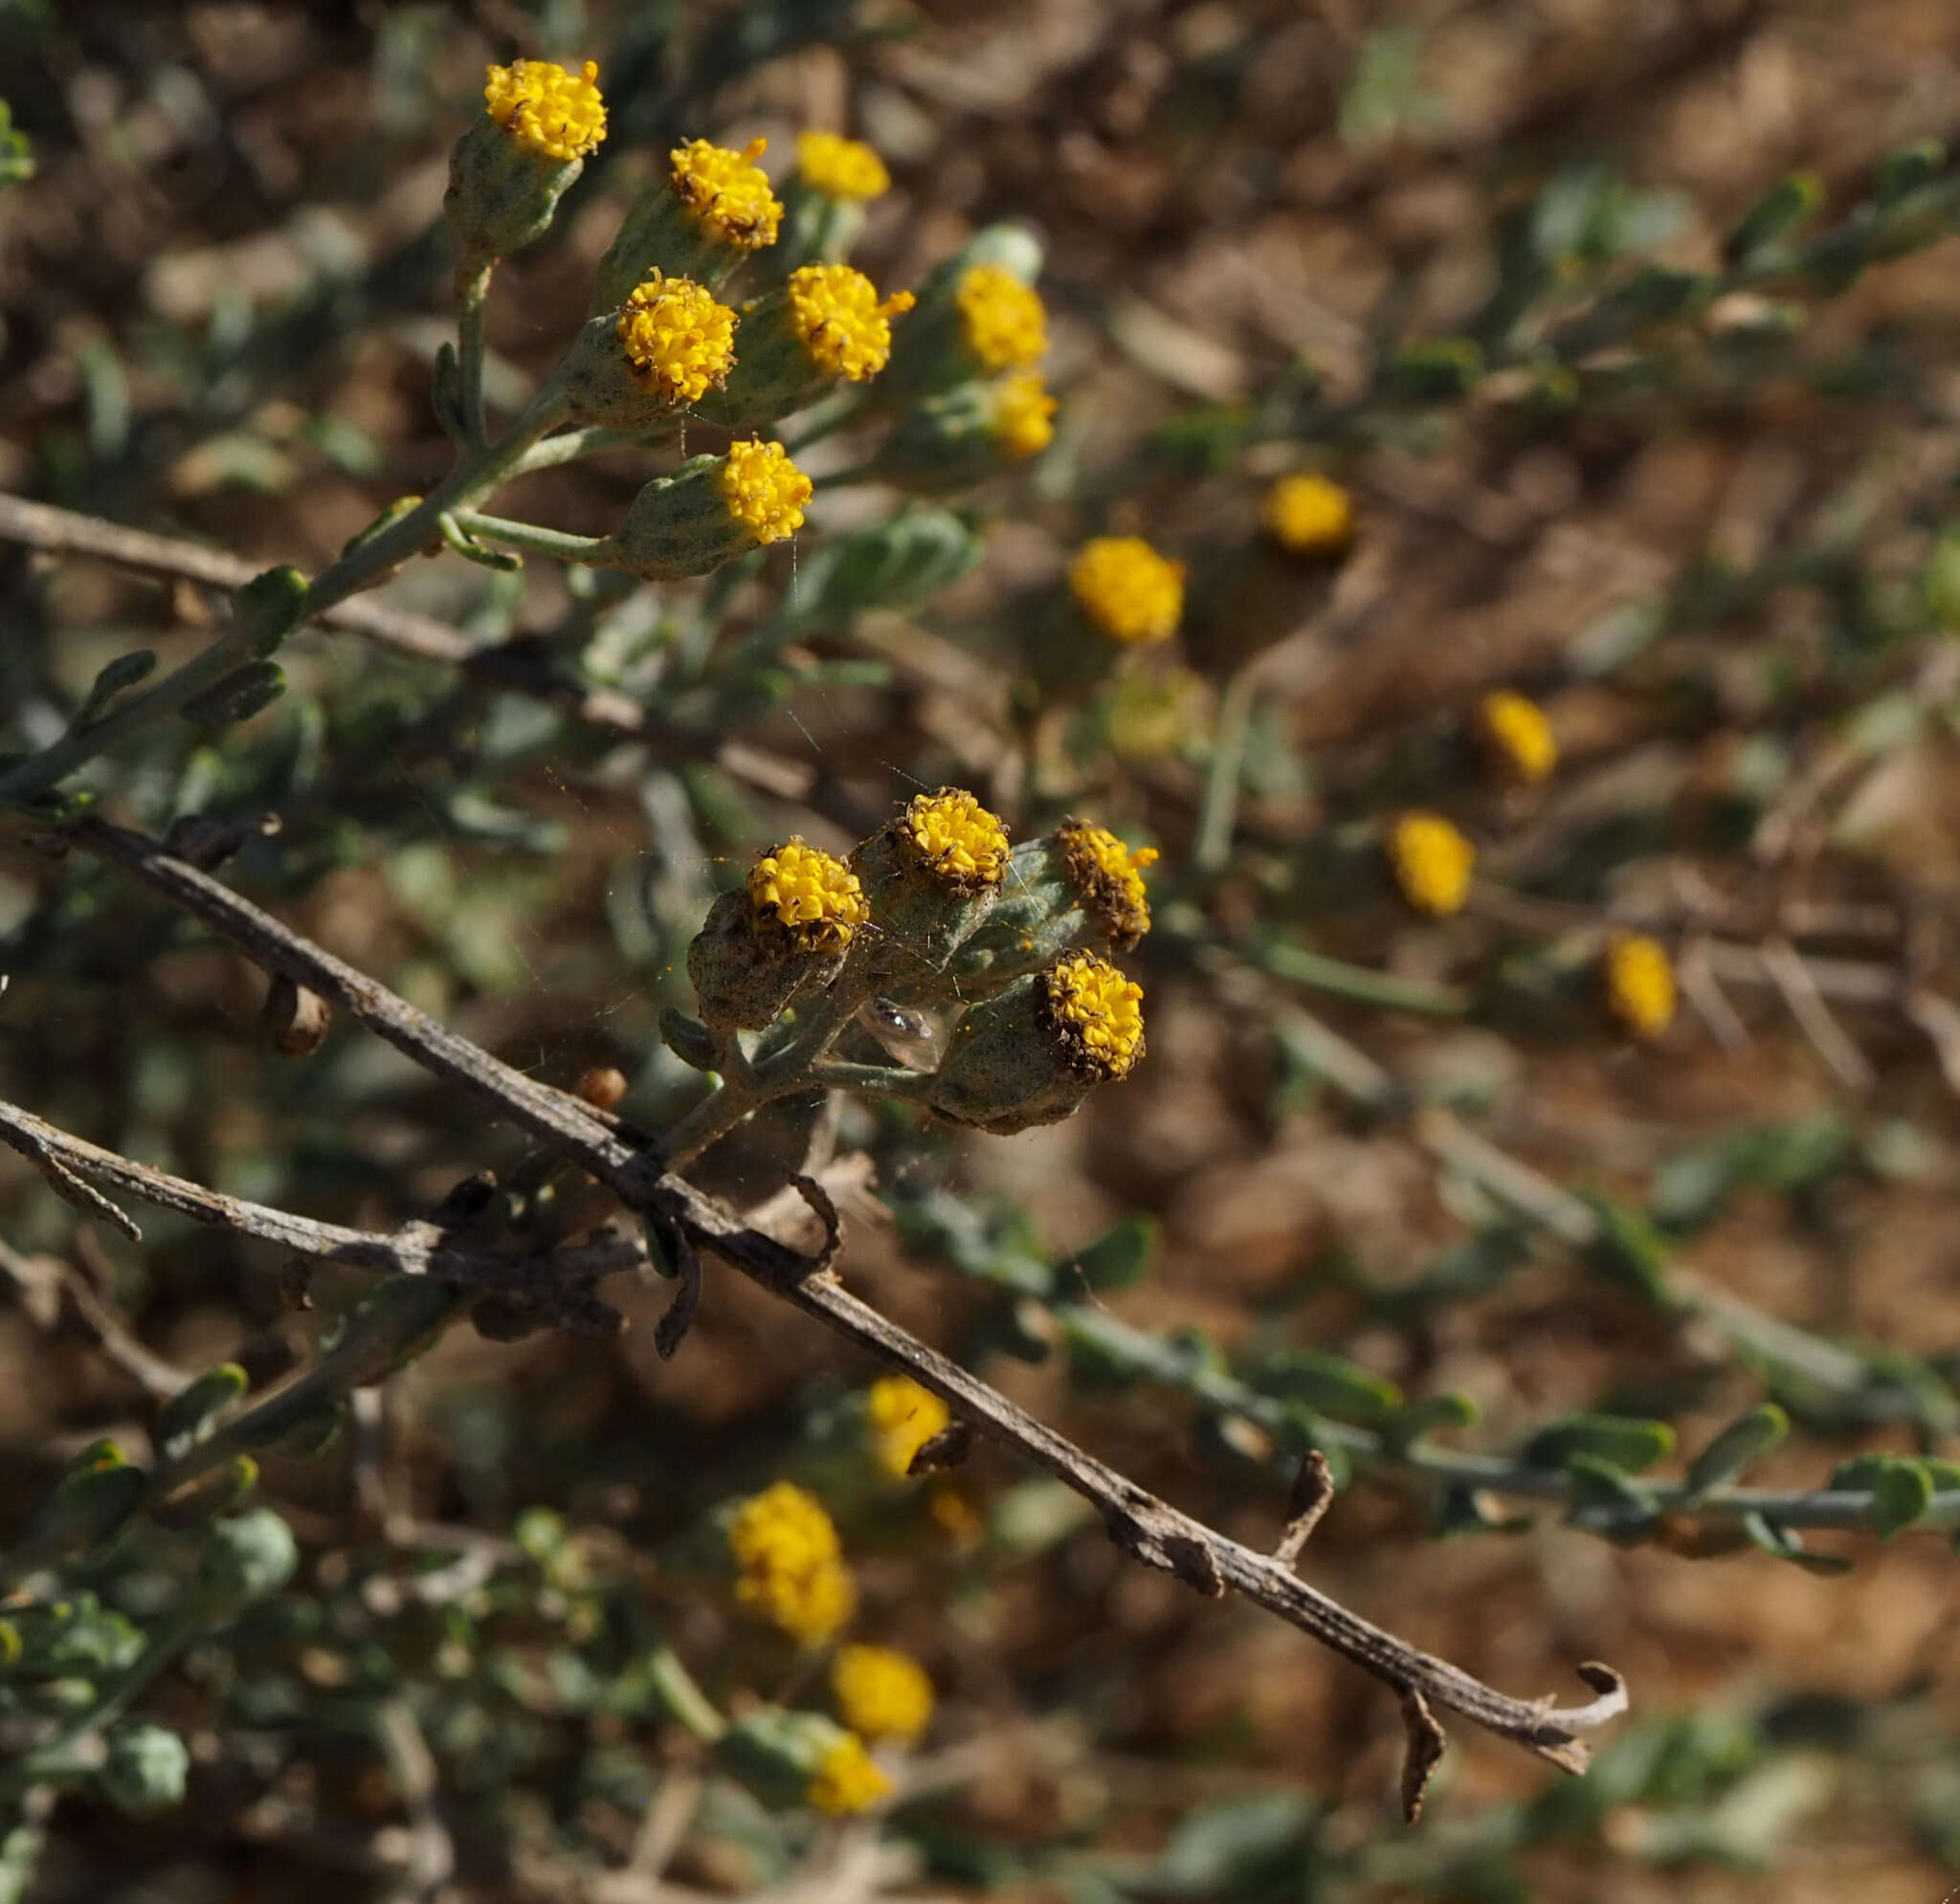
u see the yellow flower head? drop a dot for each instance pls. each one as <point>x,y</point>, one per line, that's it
<point>848,1778</point>
<point>1005,324</point>
<point>1639,983</point>
<point>903,1417</point>
<point>1110,878</point>
<point>728,191</point>
<point>1432,863</point>
<point>765,489</point>
<point>1518,735</point>
<point>880,1693</point>
<point>556,113</point>
<point>676,337</point>
<point>840,167</point>
<point>791,1564</point>
<point>807,893</point>
<point>835,313</point>
<point>1023,415</point>
<point>954,840</point>
<point>1098,1013</point>
<point>1128,589</point>
<point>1309,515</point>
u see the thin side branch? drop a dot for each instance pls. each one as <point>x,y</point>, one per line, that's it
<point>414,1250</point>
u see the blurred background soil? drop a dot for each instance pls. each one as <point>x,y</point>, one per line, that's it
<point>1220,195</point>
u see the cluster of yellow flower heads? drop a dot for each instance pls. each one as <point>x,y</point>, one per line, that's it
<point>809,893</point>
<point>1129,590</point>
<point>791,1564</point>
<point>848,1778</point>
<point>881,1692</point>
<point>954,839</point>
<point>835,313</point>
<point>840,167</point>
<point>1023,415</point>
<point>902,1418</point>
<point>764,490</point>
<point>1639,983</point>
<point>1518,735</point>
<point>1110,876</point>
<point>555,113</point>
<point>1098,1013</point>
<point>1308,514</point>
<point>728,191</point>
<point>1005,322</point>
<point>1432,863</point>
<point>679,341</point>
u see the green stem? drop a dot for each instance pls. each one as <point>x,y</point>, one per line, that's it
<point>1220,807</point>
<point>472,294</point>
<point>685,1702</point>
<point>530,537</point>
<point>1365,986</point>
<point>571,444</point>
<point>41,771</point>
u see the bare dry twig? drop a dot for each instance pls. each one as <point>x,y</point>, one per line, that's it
<point>1148,1529</point>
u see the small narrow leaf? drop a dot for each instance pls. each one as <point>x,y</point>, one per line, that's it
<point>118,676</point>
<point>1118,1258</point>
<point>1622,1441</point>
<point>1754,1436</point>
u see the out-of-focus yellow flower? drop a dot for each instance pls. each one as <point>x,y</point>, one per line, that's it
<point>1110,878</point>
<point>1152,714</point>
<point>1308,514</point>
<point>1004,322</point>
<point>791,1564</point>
<point>817,898</point>
<point>953,1513</point>
<point>1518,735</point>
<point>1098,1013</point>
<point>1432,863</point>
<point>840,167</point>
<point>676,339</point>
<point>1639,983</point>
<point>902,1418</point>
<point>1129,591</point>
<point>1023,415</point>
<point>728,191</point>
<point>835,313</point>
<point>556,113</point>
<point>881,1692</point>
<point>953,838</point>
<point>764,490</point>
<point>848,1780</point>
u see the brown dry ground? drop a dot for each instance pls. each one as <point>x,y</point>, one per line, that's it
<point>1261,233</point>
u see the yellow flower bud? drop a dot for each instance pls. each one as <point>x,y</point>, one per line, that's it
<point>789,1564</point>
<point>1031,1054</point>
<point>508,171</point>
<point>931,875</point>
<point>848,1780</point>
<point>1129,591</point>
<point>1432,863</point>
<point>714,208</point>
<point>1518,736</point>
<point>709,511</point>
<point>556,113</point>
<point>840,167</point>
<point>881,1692</point>
<point>1309,515</point>
<point>1004,322</point>
<point>1639,983</point>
